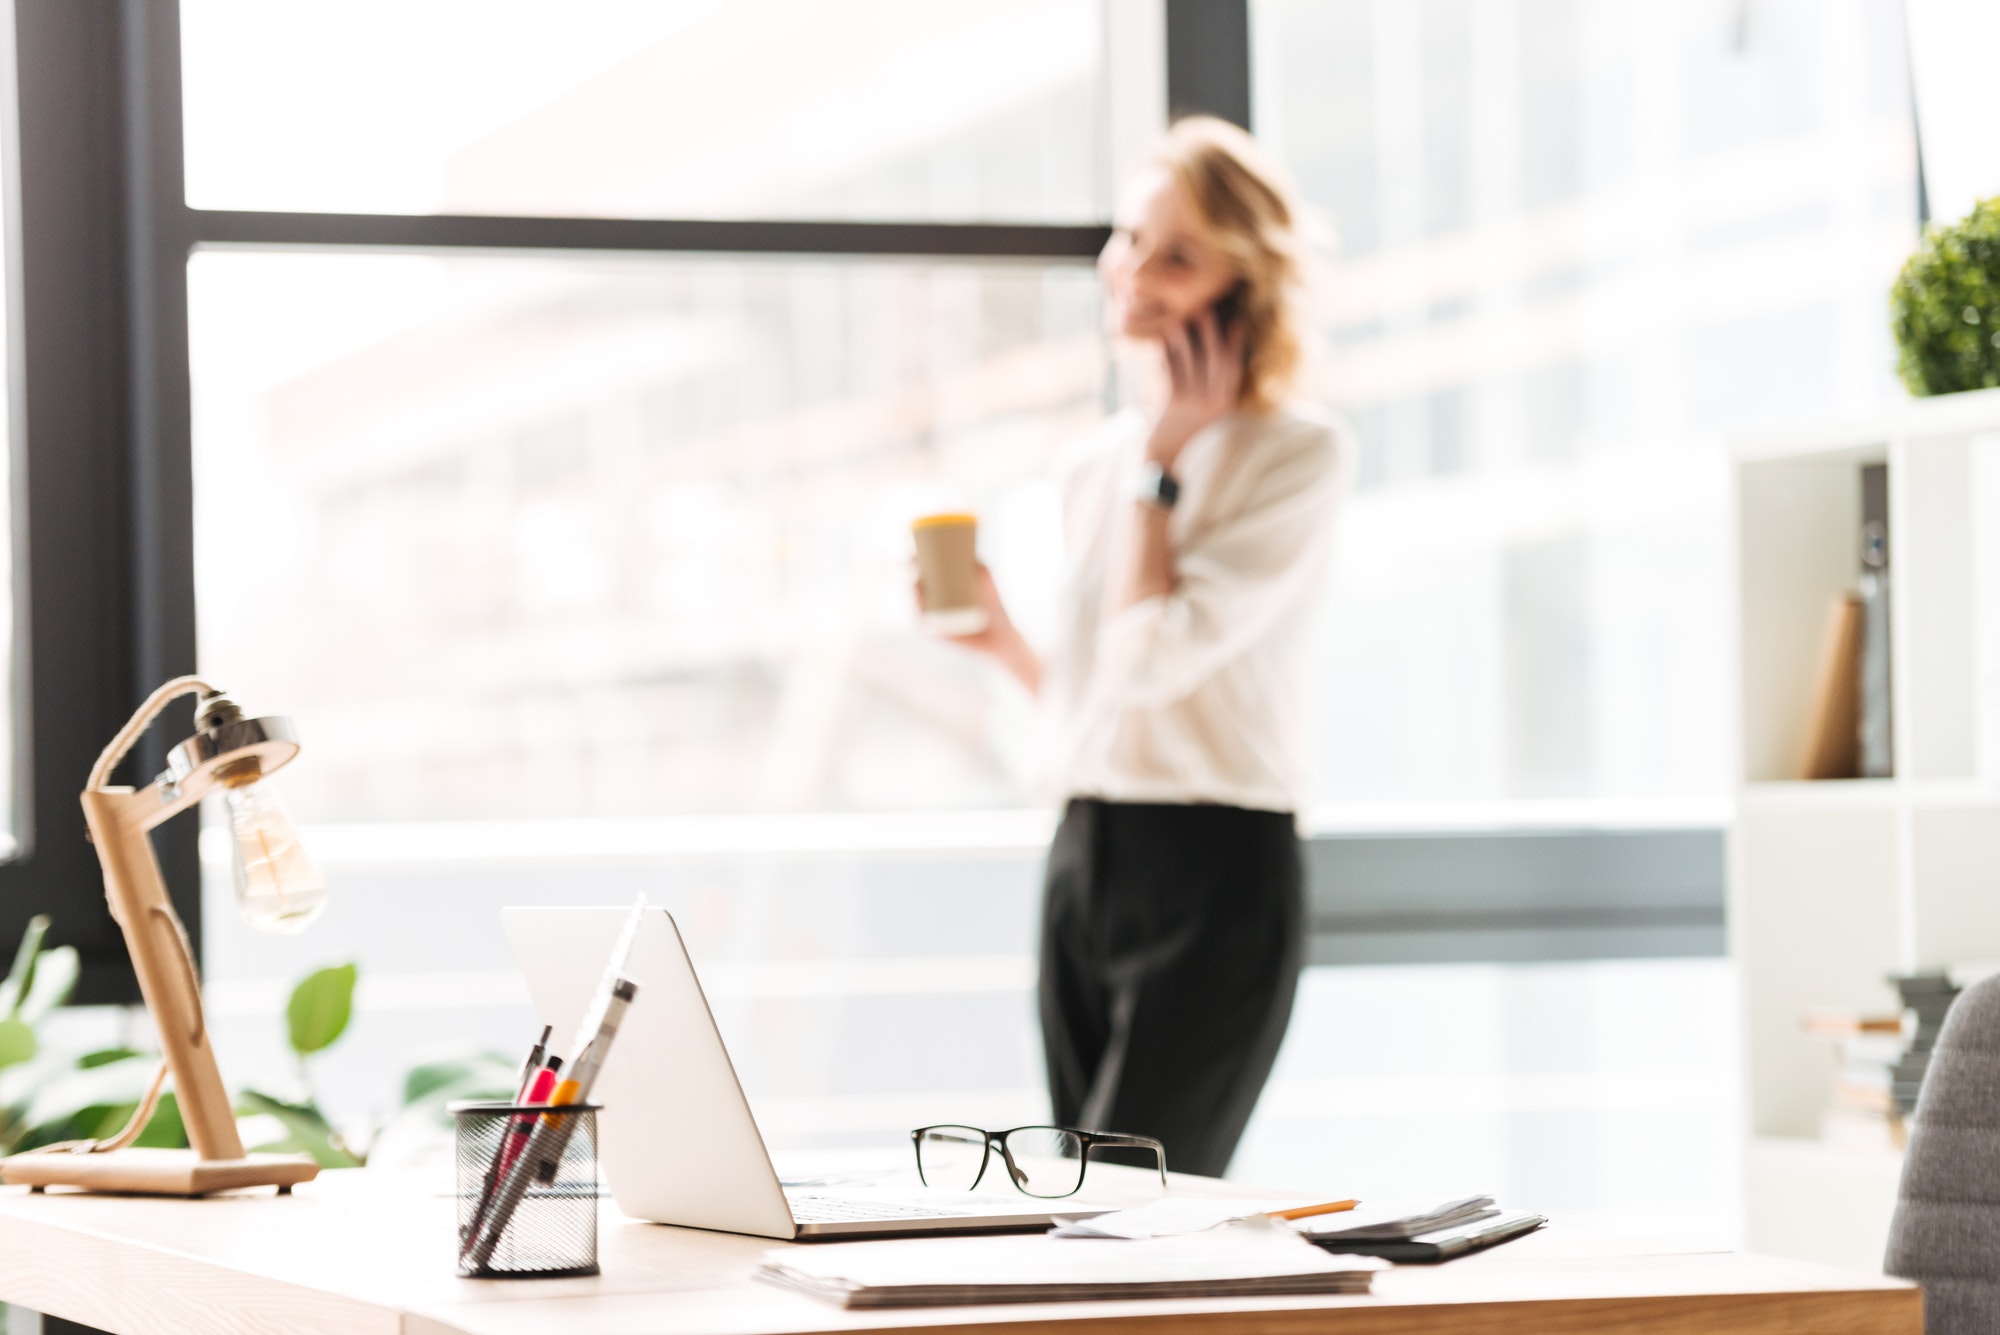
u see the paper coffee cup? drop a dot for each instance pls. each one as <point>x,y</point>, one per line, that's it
<point>948,573</point>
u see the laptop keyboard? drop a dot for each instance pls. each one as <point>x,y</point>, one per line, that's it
<point>843,1210</point>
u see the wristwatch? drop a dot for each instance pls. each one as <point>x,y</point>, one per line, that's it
<point>1157,487</point>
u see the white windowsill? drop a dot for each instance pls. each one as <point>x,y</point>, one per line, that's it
<point>794,834</point>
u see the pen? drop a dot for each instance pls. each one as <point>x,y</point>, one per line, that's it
<point>538,1093</point>
<point>543,1155</point>
<point>512,1141</point>
<point>1308,1211</point>
<point>588,1062</point>
<point>533,1065</point>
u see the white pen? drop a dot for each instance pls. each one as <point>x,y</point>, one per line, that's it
<point>552,1133</point>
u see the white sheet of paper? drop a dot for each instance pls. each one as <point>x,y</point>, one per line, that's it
<point>1170,1216</point>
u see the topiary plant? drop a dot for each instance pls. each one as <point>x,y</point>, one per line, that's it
<point>1945,306</point>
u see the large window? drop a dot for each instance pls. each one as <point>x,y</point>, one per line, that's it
<point>636,528</point>
<point>1580,244</point>
<point>898,109</point>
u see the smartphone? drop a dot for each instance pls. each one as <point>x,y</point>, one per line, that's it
<point>1228,307</point>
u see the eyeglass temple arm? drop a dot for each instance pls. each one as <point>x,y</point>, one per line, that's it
<point>1136,1142</point>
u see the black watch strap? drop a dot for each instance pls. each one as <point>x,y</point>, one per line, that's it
<point>1157,487</point>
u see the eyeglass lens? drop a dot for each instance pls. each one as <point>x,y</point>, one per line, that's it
<point>949,1157</point>
<point>1047,1160</point>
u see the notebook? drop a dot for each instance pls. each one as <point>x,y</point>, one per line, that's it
<point>1243,1260</point>
<point>1445,1243</point>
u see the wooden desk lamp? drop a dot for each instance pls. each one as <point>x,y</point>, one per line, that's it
<point>278,889</point>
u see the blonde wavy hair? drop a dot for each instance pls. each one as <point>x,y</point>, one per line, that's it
<point>1251,214</point>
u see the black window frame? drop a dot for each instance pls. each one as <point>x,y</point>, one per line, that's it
<point>98,239</point>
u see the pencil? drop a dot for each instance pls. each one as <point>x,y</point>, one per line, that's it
<point>1308,1211</point>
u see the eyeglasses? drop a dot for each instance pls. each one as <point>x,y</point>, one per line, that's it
<point>1046,1161</point>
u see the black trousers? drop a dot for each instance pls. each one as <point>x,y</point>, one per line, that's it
<point>1172,938</point>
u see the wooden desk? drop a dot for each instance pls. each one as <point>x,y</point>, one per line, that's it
<point>361,1253</point>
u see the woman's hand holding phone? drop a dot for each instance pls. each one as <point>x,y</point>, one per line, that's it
<point>1205,375</point>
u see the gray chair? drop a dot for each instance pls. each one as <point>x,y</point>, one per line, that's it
<point>1946,1232</point>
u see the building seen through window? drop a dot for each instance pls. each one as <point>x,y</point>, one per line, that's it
<point>1578,245</point>
<point>628,537</point>
<point>1581,243</point>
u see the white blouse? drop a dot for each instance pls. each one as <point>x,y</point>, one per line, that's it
<point>1197,695</point>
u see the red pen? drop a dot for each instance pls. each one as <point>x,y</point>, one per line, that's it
<point>530,1067</point>
<point>542,1084</point>
<point>539,1090</point>
<point>513,1142</point>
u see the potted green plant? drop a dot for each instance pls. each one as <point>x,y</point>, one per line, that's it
<point>1944,308</point>
<point>48,1095</point>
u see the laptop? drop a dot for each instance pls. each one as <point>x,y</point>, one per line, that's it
<point>676,1140</point>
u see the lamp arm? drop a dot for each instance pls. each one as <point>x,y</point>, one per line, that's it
<point>100,773</point>
<point>153,933</point>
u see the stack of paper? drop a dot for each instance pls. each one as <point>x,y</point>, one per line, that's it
<point>1397,1221</point>
<point>1245,1260</point>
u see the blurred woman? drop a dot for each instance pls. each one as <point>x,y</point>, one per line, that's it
<point>1197,528</point>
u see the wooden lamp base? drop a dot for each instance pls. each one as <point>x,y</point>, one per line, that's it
<point>156,1172</point>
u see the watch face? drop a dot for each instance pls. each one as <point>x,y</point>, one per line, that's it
<point>1158,487</point>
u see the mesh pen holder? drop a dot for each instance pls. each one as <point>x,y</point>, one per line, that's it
<point>527,1190</point>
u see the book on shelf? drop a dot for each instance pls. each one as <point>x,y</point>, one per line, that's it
<point>1850,725</point>
<point>1869,1098</point>
<point>1847,1024</point>
<point>1882,1050</point>
<point>1928,997</point>
<point>1865,1111</point>
<point>1875,1077</point>
<point>1833,739</point>
<point>1874,723</point>
<point>1855,1129</point>
<point>1882,1060</point>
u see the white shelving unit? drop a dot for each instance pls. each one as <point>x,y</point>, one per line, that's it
<point>1834,885</point>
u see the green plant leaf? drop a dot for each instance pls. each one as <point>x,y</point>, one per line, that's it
<point>104,1057</point>
<point>60,1099</point>
<point>320,1007</point>
<point>482,1075</point>
<point>22,976</point>
<point>19,1085</point>
<point>163,1130</point>
<point>95,1104</point>
<point>166,1130</point>
<point>85,1124</point>
<point>307,1128</point>
<point>50,986</point>
<point>17,1041</point>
